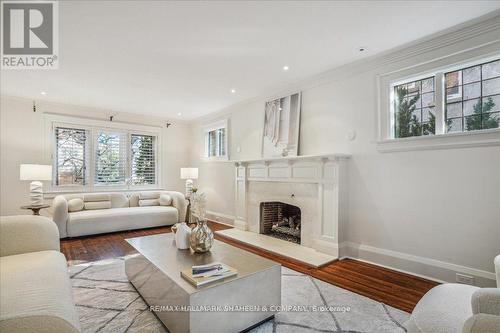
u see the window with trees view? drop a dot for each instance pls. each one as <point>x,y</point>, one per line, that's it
<point>473,97</point>
<point>70,156</point>
<point>469,100</point>
<point>116,158</point>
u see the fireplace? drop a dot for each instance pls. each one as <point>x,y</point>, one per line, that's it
<point>280,220</point>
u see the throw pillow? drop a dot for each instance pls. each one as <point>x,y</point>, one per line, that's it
<point>165,200</point>
<point>75,205</point>
<point>149,202</point>
<point>97,205</point>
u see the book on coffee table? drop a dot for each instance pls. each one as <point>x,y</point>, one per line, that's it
<point>202,275</point>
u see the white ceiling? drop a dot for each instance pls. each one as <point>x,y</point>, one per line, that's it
<point>164,58</point>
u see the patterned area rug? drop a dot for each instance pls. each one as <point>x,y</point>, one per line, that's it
<point>107,302</point>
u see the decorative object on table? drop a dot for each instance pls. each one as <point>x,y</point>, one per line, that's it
<point>189,174</point>
<point>182,236</point>
<point>281,126</point>
<point>35,209</point>
<point>201,275</point>
<point>35,173</point>
<point>202,238</point>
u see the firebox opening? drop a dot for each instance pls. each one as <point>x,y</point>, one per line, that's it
<point>280,220</point>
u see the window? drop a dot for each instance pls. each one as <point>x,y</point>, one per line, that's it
<point>463,99</point>
<point>216,141</point>
<point>87,158</point>
<point>110,158</point>
<point>473,98</point>
<point>414,108</point>
<point>71,155</point>
<point>143,159</point>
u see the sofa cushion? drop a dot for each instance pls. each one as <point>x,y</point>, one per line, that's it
<point>165,200</point>
<point>97,205</point>
<point>89,222</point>
<point>36,294</point>
<point>443,309</point>
<point>149,195</point>
<point>94,197</point>
<point>75,205</point>
<point>148,202</point>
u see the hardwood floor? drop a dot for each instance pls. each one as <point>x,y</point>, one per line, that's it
<point>396,289</point>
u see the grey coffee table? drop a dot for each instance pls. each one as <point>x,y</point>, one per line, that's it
<point>155,273</point>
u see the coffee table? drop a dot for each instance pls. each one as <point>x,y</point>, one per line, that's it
<point>231,305</point>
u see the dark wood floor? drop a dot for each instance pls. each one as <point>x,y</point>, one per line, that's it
<point>396,289</point>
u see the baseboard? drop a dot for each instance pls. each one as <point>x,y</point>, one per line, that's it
<point>427,268</point>
<point>221,218</point>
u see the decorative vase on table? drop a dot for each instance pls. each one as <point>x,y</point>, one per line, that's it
<point>202,238</point>
<point>182,236</point>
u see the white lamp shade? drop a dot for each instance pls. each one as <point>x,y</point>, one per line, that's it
<point>35,172</point>
<point>189,173</point>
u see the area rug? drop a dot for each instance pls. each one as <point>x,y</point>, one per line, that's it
<point>107,302</point>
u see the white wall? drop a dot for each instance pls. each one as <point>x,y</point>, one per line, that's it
<point>23,140</point>
<point>431,212</point>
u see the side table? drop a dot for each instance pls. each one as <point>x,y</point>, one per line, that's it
<point>35,209</point>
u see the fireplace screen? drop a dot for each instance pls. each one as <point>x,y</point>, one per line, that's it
<point>280,220</point>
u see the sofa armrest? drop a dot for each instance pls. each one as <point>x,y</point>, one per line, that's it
<point>486,300</point>
<point>482,323</point>
<point>60,214</point>
<point>179,201</point>
<point>27,233</point>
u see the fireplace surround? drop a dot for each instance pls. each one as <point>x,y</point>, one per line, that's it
<point>316,185</point>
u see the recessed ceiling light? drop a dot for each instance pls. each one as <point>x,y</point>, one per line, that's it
<point>233,91</point>
<point>43,93</point>
<point>179,114</point>
<point>286,68</point>
<point>361,49</point>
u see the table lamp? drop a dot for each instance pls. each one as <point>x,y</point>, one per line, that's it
<point>35,173</point>
<point>189,174</point>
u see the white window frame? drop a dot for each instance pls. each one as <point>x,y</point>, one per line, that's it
<point>51,121</point>
<point>221,124</point>
<point>386,142</point>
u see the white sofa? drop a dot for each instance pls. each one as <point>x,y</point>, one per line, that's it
<point>95,213</point>
<point>35,290</point>
<point>458,308</point>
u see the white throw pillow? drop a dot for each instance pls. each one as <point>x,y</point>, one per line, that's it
<point>165,200</point>
<point>97,205</point>
<point>148,195</point>
<point>75,205</point>
<point>149,202</point>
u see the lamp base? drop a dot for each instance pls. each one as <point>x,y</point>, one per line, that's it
<point>189,188</point>
<point>36,193</point>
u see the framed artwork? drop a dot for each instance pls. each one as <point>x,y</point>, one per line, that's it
<point>282,126</point>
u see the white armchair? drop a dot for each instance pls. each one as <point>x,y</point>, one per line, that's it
<point>457,308</point>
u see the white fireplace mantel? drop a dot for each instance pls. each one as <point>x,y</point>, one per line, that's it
<point>315,183</point>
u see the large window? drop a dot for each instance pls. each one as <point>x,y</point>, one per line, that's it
<point>86,158</point>
<point>71,156</point>
<point>473,97</point>
<point>463,99</point>
<point>414,108</point>
<point>215,137</point>
<point>143,159</point>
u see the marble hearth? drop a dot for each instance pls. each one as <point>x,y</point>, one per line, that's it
<point>314,184</point>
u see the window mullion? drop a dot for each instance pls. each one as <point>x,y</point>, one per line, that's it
<point>440,103</point>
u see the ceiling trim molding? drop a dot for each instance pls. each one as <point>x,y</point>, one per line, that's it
<point>475,28</point>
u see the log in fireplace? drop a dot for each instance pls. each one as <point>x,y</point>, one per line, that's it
<point>280,220</point>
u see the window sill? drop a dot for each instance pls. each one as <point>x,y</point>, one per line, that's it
<point>53,193</point>
<point>482,138</point>
<point>215,159</point>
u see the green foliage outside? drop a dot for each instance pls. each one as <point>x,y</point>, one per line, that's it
<point>407,123</point>
<point>143,161</point>
<point>108,168</point>
<point>480,118</point>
